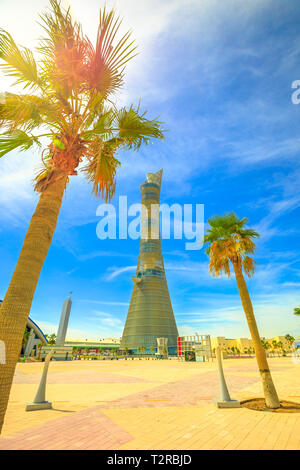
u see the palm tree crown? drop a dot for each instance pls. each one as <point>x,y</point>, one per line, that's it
<point>228,240</point>
<point>69,100</point>
<point>297,311</point>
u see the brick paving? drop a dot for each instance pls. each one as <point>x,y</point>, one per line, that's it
<point>149,405</point>
<point>190,391</point>
<point>87,429</point>
<point>72,377</point>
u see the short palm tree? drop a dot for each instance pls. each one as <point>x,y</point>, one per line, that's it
<point>280,347</point>
<point>229,242</point>
<point>290,339</point>
<point>67,101</point>
<point>275,345</point>
<point>39,347</point>
<point>51,339</point>
<point>25,338</point>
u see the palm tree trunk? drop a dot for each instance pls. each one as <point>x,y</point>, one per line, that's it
<point>270,393</point>
<point>16,305</point>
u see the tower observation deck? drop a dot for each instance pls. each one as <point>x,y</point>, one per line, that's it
<point>150,315</point>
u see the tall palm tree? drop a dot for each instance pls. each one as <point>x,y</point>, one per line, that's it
<point>297,311</point>
<point>230,242</point>
<point>67,101</point>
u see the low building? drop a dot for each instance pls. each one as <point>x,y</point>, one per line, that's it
<point>280,339</point>
<point>86,346</point>
<point>241,345</point>
<point>194,348</point>
<point>60,353</point>
<point>93,345</point>
<point>219,342</point>
<point>35,337</point>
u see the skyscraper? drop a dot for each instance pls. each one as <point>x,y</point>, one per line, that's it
<point>150,315</point>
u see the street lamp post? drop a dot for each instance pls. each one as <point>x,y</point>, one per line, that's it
<point>39,402</point>
<point>224,401</point>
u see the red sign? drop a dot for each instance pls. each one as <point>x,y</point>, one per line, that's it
<point>179,345</point>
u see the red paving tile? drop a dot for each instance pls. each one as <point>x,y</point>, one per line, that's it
<point>183,392</point>
<point>70,430</point>
<point>70,377</point>
<point>254,368</point>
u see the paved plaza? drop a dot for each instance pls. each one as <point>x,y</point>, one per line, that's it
<point>149,404</point>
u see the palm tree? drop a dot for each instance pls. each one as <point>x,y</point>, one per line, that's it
<point>25,338</point>
<point>39,346</point>
<point>275,345</point>
<point>297,311</point>
<point>230,242</point>
<point>51,339</point>
<point>268,346</point>
<point>280,347</point>
<point>67,100</point>
<point>290,339</point>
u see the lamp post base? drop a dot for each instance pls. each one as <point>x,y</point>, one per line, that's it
<point>46,405</point>
<point>226,404</point>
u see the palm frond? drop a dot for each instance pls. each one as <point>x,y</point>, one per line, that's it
<point>102,127</point>
<point>18,63</point>
<point>249,265</point>
<point>102,167</point>
<point>64,50</point>
<point>95,108</point>
<point>16,139</point>
<point>28,112</point>
<point>134,129</point>
<point>105,70</point>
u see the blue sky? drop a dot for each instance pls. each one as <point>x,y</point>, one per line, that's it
<point>219,76</point>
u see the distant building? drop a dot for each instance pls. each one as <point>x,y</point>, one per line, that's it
<point>94,345</point>
<point>36,336</point>
<point>246,344</point>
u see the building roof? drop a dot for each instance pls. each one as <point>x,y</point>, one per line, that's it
<point>32,325</point>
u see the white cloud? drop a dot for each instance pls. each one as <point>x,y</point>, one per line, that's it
<point>274,315</point>
<point>118,271</point>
